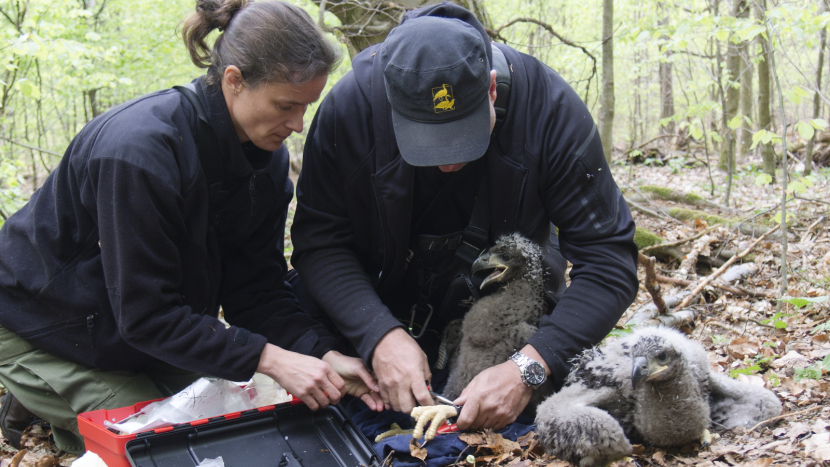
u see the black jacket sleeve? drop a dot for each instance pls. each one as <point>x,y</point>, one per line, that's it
<point>596,230</point>
<point>141,225</point>
<point>322,233</point>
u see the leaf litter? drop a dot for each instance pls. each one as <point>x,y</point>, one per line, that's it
<point>787,351</point>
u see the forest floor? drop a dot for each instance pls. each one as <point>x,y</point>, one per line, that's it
<point>782,345</point>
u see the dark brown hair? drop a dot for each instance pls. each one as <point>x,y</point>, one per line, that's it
<point>267,41</point>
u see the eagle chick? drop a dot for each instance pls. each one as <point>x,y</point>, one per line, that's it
<point>653,386</point>
<point>499,324</point>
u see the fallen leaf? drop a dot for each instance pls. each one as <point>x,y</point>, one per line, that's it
<point>416,450</point>
<point>792,358</point>
<point>558,464</point>
<point>524,441</point>
<point>741,348</point>
<point>764,462</point>
<point>820,426</point>
<point>818,446</point>
<point>659,457</point>
<point>473,439</point>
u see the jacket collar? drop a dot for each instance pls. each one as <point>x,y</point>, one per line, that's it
<point>234,160</point>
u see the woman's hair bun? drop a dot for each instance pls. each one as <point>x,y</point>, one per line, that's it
<point>217,14</point>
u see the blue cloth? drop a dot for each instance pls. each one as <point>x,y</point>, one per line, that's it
<point>443,450</point>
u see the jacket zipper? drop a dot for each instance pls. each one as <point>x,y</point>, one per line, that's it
<point>90,326</point>
<point>252,192</point>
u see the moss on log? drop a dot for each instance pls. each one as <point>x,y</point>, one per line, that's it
<point>644,237</point>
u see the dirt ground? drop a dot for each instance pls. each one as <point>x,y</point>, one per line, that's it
<point>744,331</point>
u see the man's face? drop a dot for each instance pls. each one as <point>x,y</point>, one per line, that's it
<point>492,96</point>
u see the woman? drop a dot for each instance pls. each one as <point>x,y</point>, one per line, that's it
<point>111,277</point>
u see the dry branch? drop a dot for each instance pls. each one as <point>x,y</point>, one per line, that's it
<point>678,242</point>
<point>688,264</point>
<point>651,284</point>
<point>723,269</point>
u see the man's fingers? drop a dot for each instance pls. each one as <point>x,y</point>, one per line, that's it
<point>468,415</point>
<point>421,392</point>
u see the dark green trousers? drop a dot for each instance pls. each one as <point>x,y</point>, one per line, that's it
<point>57,390</point>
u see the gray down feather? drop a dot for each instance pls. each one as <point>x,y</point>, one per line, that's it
<point>499,324</point>
<point>654,386</point>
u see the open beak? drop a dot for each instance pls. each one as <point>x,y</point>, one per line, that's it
<point>643,370</point>
<point>486,262</point>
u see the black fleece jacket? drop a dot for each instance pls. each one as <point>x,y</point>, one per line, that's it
<point>545,164</point>
<point>113,263</point>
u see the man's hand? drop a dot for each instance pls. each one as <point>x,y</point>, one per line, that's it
<point>307,378</point>
<point>358,381</point>
<point>494,398</point>
<point>401,369</point>
<point>497,395</point>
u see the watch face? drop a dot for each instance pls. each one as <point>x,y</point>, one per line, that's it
<point>535,374</point>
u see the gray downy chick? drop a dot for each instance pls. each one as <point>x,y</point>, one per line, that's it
<point>500,323</point>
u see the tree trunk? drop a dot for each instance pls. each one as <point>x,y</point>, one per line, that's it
<point>746,99</point>
<point>733,92</point>
<point>366,23</point>
<point>764,118</point>
<point>808,152</point>
<point>666,88</point>
<point>606,120</point>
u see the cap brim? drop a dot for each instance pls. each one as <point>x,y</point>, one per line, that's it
<point>448,143</point>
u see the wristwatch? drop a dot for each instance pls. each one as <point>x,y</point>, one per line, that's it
<point>533,373</point>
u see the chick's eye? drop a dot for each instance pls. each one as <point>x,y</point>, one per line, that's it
<point>662,356</point>
<point>285,108</point>
<point>505,257</point>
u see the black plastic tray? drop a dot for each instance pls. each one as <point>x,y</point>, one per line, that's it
<point>285,436</point>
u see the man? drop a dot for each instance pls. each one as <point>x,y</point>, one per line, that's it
<point>401,154</point>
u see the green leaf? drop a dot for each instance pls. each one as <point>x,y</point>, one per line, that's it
<point>92,36</point>
<point>801,302</point>
<point>806,181</point>
<point>28,88</point>
<point>796,187</point>
<point>471,459</point>
<point>819,123</point>
<point>763,179</point>
<point>735,122</point>
<point>722,34</point>
<point>696,133</point>
<point>805,129</point>
<point>777,218</point>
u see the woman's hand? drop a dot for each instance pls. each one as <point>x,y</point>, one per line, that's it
<point>309,379</point>
<point>358,381</point>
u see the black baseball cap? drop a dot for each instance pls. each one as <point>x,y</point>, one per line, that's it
<point>437,75</point>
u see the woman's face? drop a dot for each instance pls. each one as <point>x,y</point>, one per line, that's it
<point>268,113</point>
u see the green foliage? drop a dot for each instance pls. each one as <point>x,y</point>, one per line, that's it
<point>813,371</point>
<point>802,302</point>
<point>777,320</point>
<point>753,365</point>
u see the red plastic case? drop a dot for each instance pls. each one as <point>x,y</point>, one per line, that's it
<point>288,434</point>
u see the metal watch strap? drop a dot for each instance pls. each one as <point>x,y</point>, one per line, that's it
<point>524,362</point>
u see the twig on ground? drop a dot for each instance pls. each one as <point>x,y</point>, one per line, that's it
<point>723,269</point>
<point>460,454</point>
<point>733,289</point>
<point>678,242</point>
<point>647,211</point>
<point>651,283</point>
<point>778,418</point>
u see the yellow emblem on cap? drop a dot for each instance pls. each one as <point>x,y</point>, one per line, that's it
<point>442,98</point>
